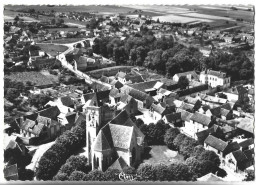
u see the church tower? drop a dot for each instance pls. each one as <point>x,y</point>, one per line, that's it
<point>93,119</point>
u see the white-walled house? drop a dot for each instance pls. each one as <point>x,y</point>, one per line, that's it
<point>215,78</point>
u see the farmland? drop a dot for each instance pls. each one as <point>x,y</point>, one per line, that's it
<point>52,49</point>
<point>34,77</point>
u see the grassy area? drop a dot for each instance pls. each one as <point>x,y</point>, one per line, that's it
<point>52,49</point>
<point>34,77</point>
<point>161,154</point>
<point>64,40</point>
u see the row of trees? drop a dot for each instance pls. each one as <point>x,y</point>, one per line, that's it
<point>69,142</point>
<point>169,57</point>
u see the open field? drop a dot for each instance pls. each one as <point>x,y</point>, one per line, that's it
<point>10,15</point>
<point>52,49</point>
<point>161,154</point>
<point>35,77</point>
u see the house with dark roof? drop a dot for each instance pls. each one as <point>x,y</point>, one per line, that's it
<point>174,119</point>
<point>16,152</point>
<point>247,144</point>
<point>148,87</point>
<point>219,112</point>
<point>118,143</point>
<point>114,96</point>
<point>116,84</point>
<point>157,111</point>
<point>190,75</point>
<point>200,122</point>
<point>129,78</point>
<point>220,147</point>
<point>40,126</point>
<point>144,100</point>
<point>237,93</point>
<point>240,160</point>
<point>129,104</point>
<point>100,97</point>
<point>202,135</point>
<point>215,78</point>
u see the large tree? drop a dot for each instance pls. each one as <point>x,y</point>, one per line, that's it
<point>169,137</point>
<point>183,82</point>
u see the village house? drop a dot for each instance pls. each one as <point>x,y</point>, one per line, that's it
<point>220,147</point>
<point>86,62</point>
<point>114,96</point>
<point>128,78</point>
<point>157,111</point>
<point>238,93</point>
<point>202,135</point>
<point>247,144</point>
<point>220,113</point>
<point>148,87</point>
<point>191,75</point>
<point>129,104</point>
<point>240,160</point>
<point>246,127</point>
<point>173,119</point>
<point>40,126</point>
<point>197,123</point>
<point>214,78</point>
<point>206,51</point>
<point>212,101</point>
<point>120,139</point>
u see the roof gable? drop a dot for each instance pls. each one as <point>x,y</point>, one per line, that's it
<point>101,142</point>
<point>119,164</point>
<point>201,118</point>
<point>216,143</point>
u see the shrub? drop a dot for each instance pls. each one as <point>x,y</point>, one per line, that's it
<point>96,175</point>
<point>179,172</point>
<point>77,176</point>
<point>161,172</point>
<point>129,170</point>
<point>61,177</point>
<point>178,140</point>
<point>112,174</point>
<point>208,155</point>
<point>146,172</point>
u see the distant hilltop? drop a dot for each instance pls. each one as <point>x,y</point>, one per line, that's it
<point>50,5</point>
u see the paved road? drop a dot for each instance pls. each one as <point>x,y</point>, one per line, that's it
<point>61,57</point>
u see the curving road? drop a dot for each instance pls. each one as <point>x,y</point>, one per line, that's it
<point>61,57</point>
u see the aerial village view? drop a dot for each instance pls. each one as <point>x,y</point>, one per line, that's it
<point>129,93</point>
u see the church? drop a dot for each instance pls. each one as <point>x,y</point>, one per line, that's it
<point>113,140</point>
